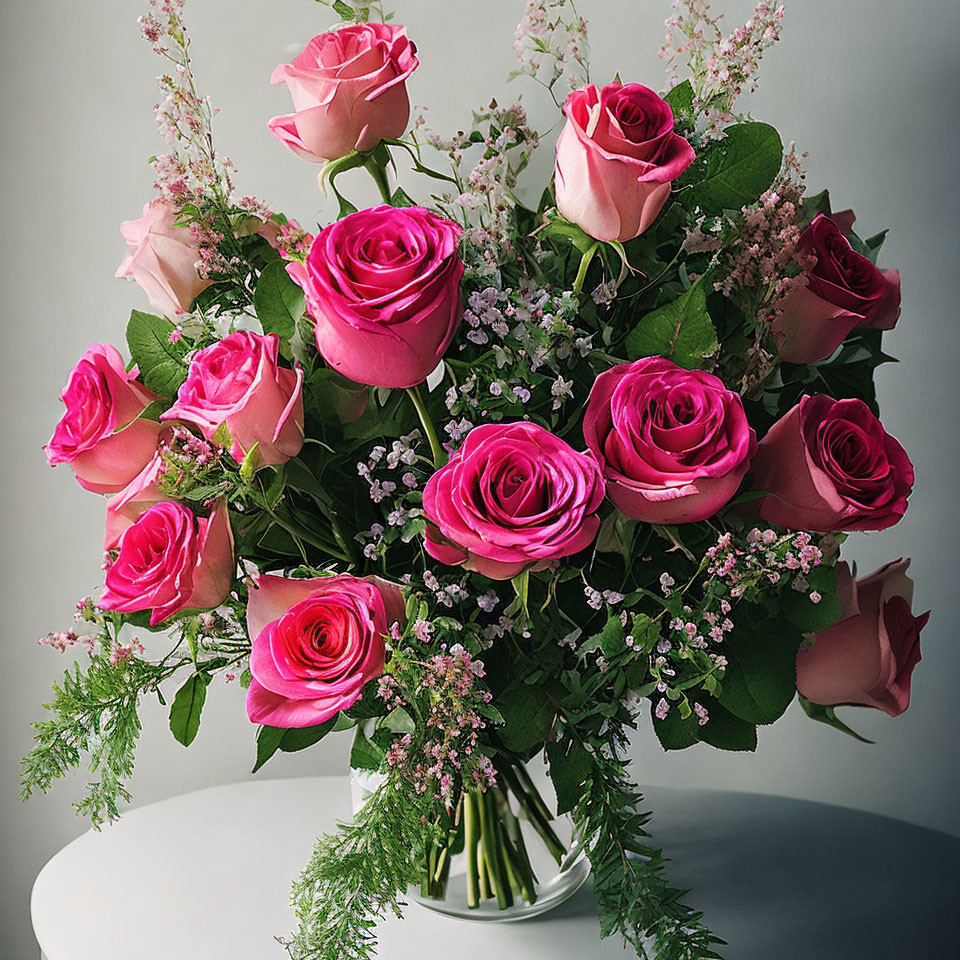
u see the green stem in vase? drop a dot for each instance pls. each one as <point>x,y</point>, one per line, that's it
<point>534,807</point>
<point>492,853</point>
<point>485,892</point>
<point>517,856</point>
<point>471,840</point>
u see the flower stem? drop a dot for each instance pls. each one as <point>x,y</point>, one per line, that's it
<point>439,454</point>
<point>585,262</point>
<point>379,174</point>
<point>470,841</point>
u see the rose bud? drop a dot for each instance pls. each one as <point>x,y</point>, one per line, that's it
<point>673,444</point>
<point>867,658</point>
<point>102,435</point>
<point>616,158</point>
<point>315,644</point>
<point>842,290</point>
<point>171,561</point>
<point>513,497</point>
<point>383,288</point>
<point>161,258</point>
<point>829,465</point>
<point>348,89</point>
<point>239,383</point>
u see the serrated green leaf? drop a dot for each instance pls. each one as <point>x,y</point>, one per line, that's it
<point>528,714</point>
<point>733,172</point>
<point>681,331</point>
<point>161,363</point>
<point>365,754</point>
<point>680,99</point>
<point>278,301</point>
<point>398,721</point>
<point>812,617</point>
<point>186,708</point>
<point>570,766</point>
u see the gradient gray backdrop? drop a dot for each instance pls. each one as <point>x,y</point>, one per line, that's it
<point>868,87</point>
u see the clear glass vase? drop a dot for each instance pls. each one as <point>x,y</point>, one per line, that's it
<point>510,857</point>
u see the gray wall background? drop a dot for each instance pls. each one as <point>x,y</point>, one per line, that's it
<point>866,86</point>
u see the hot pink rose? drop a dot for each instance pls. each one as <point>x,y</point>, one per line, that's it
<point>161,258</point>
<point>829,465</point>
<point>132,502</point>
<point>348,89</point>
<point>673,444</point>
<point>238,382</point>
<point>315,644</point>
<point>513,496</point>
<point>102,435</point>
<point>843,290</point>
<point>170,560</point>
<point>383,287</point>
<point>616,158</point>
<point>867,658</point>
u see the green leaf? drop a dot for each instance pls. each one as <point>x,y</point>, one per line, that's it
<point>401,198</point>
<point>186,708</point>
<point>345,12</point>
<point>399,721</point>
<point>827,715</point>
<point>680,99</point>
<point>278,301</point>
<point>560,229</point>
<point>570,766</point>
<point>733,172</point>
<point>681,330</point>
<point>673,732</point>
<point>161,362</point>
<point>528,713</point>
<point>761,676</point>
<point>722,730</point>
<point>812,617</point>
<point>521,586</point>
<point>268,743</point>
<point>365,754</point>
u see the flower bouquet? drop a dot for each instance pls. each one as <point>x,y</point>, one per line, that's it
<point>490,472</point>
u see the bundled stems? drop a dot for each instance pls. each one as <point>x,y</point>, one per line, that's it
<point>497,861</point>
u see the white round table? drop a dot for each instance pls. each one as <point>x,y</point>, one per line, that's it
<point>206,875</point>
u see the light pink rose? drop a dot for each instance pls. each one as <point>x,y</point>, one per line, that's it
<point>383,288</point>
<point>161,258</point>
<point>513,497</point>
<point>673,444</point>
<point>102,435</point>
<point>348,89</point>
<point>239,382</point>
<point>171,560</point>
<point>829,465</point>
<point>616,158</point>
<point>843,290</point>
<point>315,644</point>
<point>867,658</point>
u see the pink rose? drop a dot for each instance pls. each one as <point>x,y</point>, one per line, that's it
<point>348,89</point>
<point>513,496</point>
<point>673,444</point>
<point>315,644</point>
<point>161,258</point>
<point>383,287</point>
<point>829,465</point>
<point>171,560</point>
<point>138,496</point>
<point>102,435</point>
<point>239,383</point>
<point>843,290</point>
<point>867,658</point>
<point>616,158</point>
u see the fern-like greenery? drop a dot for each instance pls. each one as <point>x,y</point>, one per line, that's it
<point>634,897</point>
<point>359,875</point>
<point>95,714</point>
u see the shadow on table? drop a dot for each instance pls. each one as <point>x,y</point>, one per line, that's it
<point>784,879</point>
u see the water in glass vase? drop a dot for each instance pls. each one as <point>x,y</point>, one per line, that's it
<point>508,856</point>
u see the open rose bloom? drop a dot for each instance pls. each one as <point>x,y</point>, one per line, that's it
<point>843,291</point>
<point>315,644</point>
<point>348,89</point>
<point>616,158</point>
<point>102,435</point>
<point>867,658</point>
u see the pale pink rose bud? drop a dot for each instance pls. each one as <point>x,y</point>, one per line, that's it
<point>161,258</point>
<point>867,658</point>
<point>239,383</point>
<point>315,644</point>
<point>171,561</point>
<point>102,434</point>
<point>348,89</point>
<point>616,158</point>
